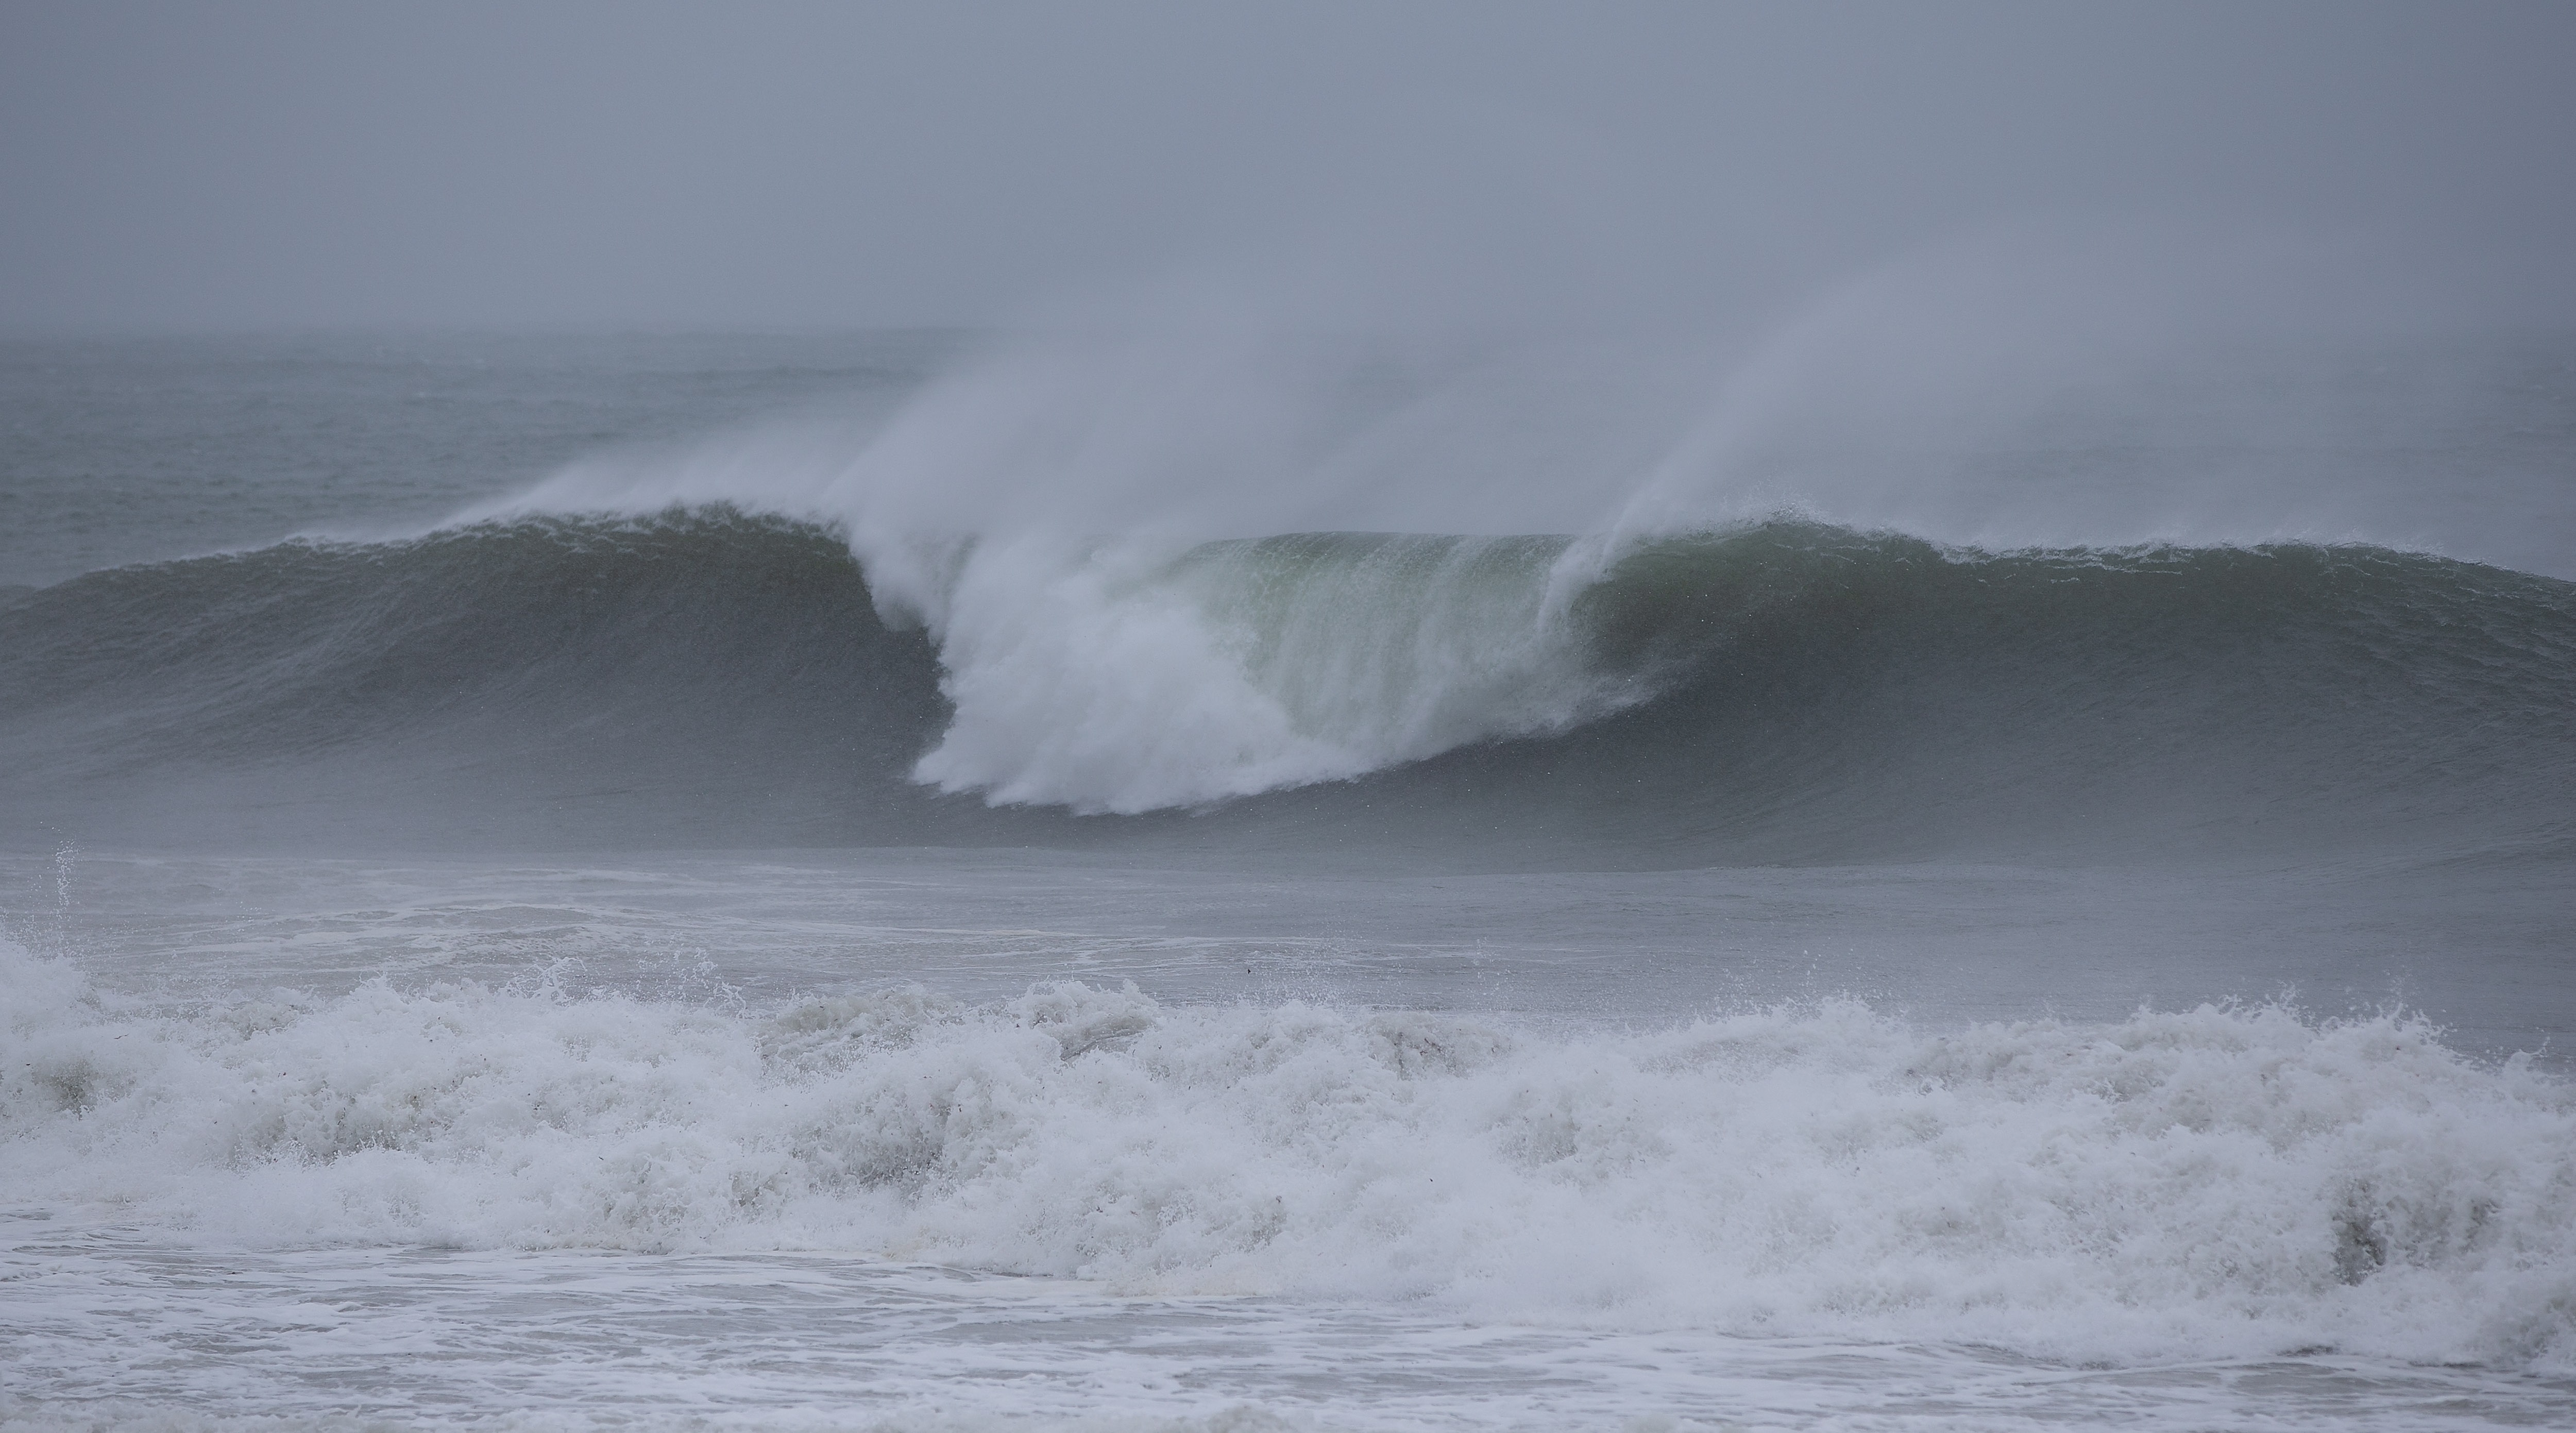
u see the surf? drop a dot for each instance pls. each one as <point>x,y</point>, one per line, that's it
<point>2206,1182</point>
<point>1784,687</point>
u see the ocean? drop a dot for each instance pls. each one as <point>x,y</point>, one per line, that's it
<point>924,880</point>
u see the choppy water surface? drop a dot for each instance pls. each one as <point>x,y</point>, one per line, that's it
<point>930,912</point>
<point>431,1337</point>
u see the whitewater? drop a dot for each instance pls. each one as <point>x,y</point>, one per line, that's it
<point>919,882</point>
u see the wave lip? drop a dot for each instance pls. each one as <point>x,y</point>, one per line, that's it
<point>1106,678</point>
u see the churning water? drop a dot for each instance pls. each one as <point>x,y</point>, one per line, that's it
<point>764,882</point>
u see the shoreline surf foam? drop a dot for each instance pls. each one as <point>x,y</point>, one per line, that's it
<point>2212,1182</point>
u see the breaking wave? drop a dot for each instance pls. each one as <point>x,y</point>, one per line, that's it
<point>1785,688</point>
<point>2221,1180</point>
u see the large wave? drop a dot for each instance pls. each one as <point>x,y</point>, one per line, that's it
<point>2214,1181</point>
<point>1782,688</point>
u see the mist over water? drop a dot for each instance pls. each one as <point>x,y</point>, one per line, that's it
<point>1319,718</point>
<point>1857,877</point>
<point>1144,562</point>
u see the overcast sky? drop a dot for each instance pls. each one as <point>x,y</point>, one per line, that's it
<point>627,164</point>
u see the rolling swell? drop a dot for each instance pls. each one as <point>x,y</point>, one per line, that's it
<point>1828,693</point>
<point>716,675</point>
<point>1787,691</point>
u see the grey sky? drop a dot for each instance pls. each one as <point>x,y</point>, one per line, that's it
<point>635,164</point>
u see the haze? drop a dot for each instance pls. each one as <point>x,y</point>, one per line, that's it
<point>622,165</point>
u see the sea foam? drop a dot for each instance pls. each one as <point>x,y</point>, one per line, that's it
<point>2216,1181</point>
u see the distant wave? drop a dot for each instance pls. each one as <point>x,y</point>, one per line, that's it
<point>1784,688</point>
<point>2210,1182</point>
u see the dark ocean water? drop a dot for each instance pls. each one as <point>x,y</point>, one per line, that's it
<point>1783,692</point>
<point>1157,910</point>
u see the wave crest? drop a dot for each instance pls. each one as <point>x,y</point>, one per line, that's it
<point>1787,690</point>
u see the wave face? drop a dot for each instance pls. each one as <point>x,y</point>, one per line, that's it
<point>2212,1182</point>
<point>1781,690</point>
<point>1101,682</point>
<point>719,673</point>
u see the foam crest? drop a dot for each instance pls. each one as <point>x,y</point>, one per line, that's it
<point>1077,522</point>
<point>1111,678</point>
<point>1153,668</point>
<point>1075,525</point>
<point>2215,1180</point>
